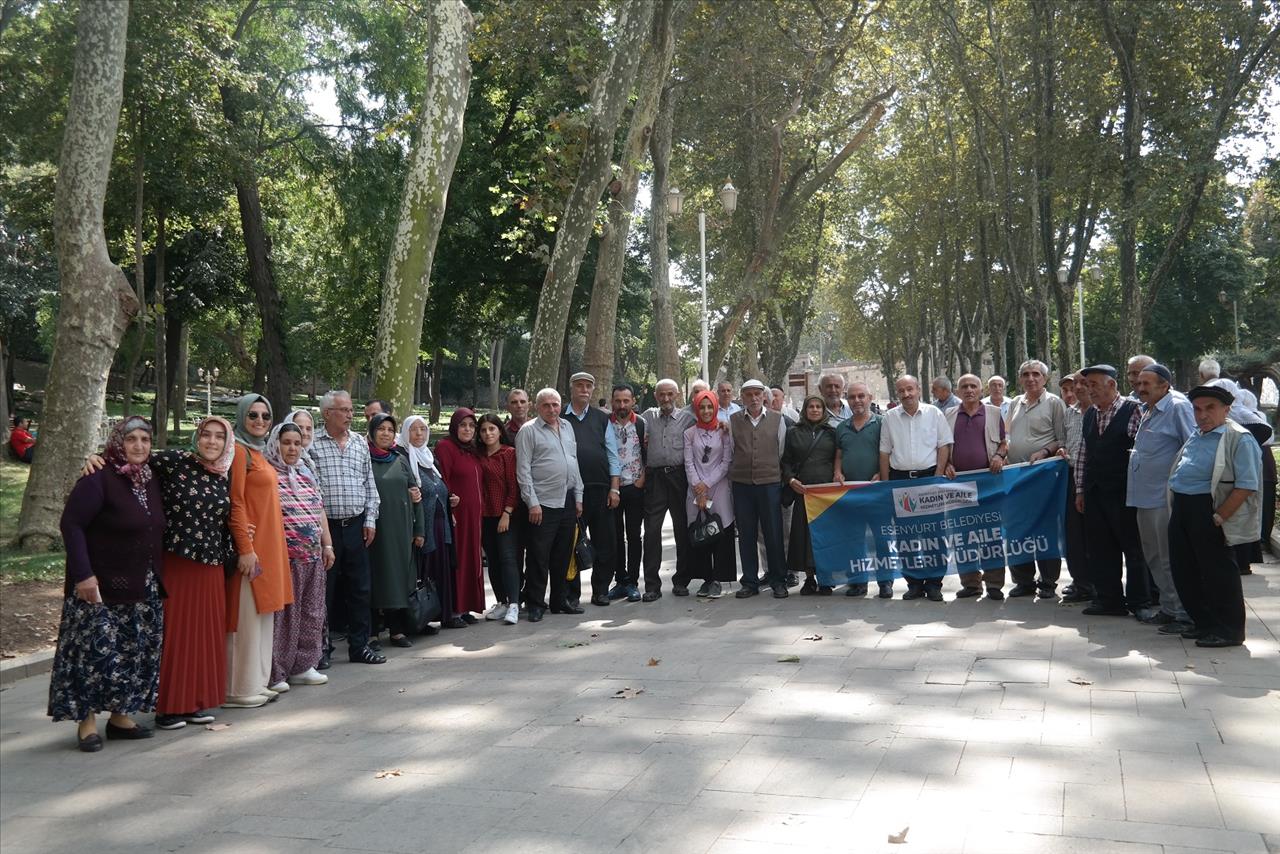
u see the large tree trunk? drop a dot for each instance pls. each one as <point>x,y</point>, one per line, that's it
<point>612,90</point>
<point>437,374</point>
<point>160,409</point>
<point>96,302</point>
<point>180,369</point>
<point>139,270</point>
<point>602,318</point>
<point>422,206</point>
<point>6,423</point>
<point>495,371</point>
<point>666,353</point>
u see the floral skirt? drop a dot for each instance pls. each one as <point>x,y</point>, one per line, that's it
<point>108,657</point>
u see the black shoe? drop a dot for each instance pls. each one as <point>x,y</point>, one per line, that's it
<point>1215,641</point>
<point>1068,590</point>
<point>402,642</point>
<point>198,717</point>
<point>746,592</point>
<point>792,580</point>
<point>170,721</point>
<point>1105,611</point>
<point>91,743</point>
<point>1195,634</point>
<point>824,590</point>
<point>681,590</point>
<point>934,594</point>
<point>534,615</point>
<point>366,655</point>
<point>325,663</point>
<point>1047,592</point>
<point>968,592</point>
<point>128,733</point>
<point>655,595</point>
<point>601,600</point>
<point>1159,618</point>
<point>780,591</point>
<point>566,608</point>
<point>1177,627</point>
<point>470,619</point>
<point>913,593</point>
<point>453,623</point>
<point>1020,590</point>
<point>856,590</point>
<point>995,593</point>
<point>886,590</point>
<point>809,588</point>
<point>429,630</point>
<point>375,644</point>
<point>1077,595</point>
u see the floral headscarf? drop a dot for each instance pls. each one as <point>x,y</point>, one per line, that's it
<point>242,421</point>
<point>139,474</point>
<point>459,415</point>
<point>378,454</point>
<point>223,463</point>
<point>294,472</point>
<point>714,423</point>
<point>418,456</point>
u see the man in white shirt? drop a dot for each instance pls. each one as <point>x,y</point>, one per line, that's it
<point>831,387</point>
<point>915,442</point>
<point>995,395</point>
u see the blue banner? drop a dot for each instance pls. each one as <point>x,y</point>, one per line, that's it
<point>929,527</point>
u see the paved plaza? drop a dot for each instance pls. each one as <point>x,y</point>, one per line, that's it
<point>811,724</point>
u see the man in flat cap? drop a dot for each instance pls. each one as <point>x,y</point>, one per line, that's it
<point>1102,474</point>
<point>759,436</point>
<point>601,470</point>
<point>1214,505</point>
<point>1168,421</point>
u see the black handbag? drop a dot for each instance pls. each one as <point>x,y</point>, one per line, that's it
<point>706,529</point>
<point>424,606</point>
<point>584,554</point>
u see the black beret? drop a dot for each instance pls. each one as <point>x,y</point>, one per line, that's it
<point>1161,371</point>
<point>1216,392</point>
<point>1099,369</point>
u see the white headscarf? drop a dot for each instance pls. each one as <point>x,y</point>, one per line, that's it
<point>418,456</point>
<point>1245,403</point>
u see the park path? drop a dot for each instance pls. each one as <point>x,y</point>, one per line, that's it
<point>681,726</point>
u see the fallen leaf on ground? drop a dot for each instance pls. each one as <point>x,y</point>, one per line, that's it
<point>399,690</point>
<point>654,662</point>
<point>1079,680</point>
<point>789,659</point>
<point>572,643</point>
<point>389,772</point>
<point>216,727</point>
<point>627,693</point>
<point>899,838</point>
<point>1191,665</point>
<point>595,635</point>
<point>811,637</point>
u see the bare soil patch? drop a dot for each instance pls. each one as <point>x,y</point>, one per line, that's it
<point>29,614</point>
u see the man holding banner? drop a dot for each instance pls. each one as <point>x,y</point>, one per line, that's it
<point>915,442</point>
<point>858,459</point>
<point>979,443</point>
<point>759,436</point>
<point>1037,429</point>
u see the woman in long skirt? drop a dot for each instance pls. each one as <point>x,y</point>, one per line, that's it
<point>434,558</point>
<point>459,462</point>
<point>392,568</point>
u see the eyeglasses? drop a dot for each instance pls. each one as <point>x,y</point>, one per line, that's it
<point>257,416</point>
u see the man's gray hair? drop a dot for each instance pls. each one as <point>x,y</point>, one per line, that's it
<point>1037,364</point>
<point>675,386</point>
<point>945,382</point>
<point>513,391</point>
<point>546,394</point>
<point>1142,358</point>
<point>910,377</point>
<point>331,397</point>
<point>1210,369</point>
<point>995,377</point>
<point>831,376</point>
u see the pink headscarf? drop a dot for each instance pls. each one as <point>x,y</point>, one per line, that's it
<point>223,463</point>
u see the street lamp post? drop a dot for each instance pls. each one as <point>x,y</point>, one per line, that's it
<point>1063,275</point>
<point>675,204</point>
<point>1235,315</point>
<point>208,376</point>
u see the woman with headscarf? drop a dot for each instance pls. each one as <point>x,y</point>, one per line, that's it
<point>108,653</point>
<point>1244,411</point>
<point>299,627</point>
<point>808,457</point>
<point>435,560</point>
<point>392,568</point>
<point>708,452</point>
<point>261,585</point>
<point>307,424</point>
<point>459,462</point>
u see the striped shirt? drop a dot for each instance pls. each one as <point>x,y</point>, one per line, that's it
<point>346,477</point>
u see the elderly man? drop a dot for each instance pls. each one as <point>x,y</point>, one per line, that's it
<point>978,443</point>
<point>778,403</point>
<point>942,396</point>
<point>517,411</point>
<point>1209,370</point>
<point>1102,476</point>
<point>551,487</point>
<point>915,442</point>
<point>1075,395</point>
<point>601,472</point>
<point>759,436</point>
<point>1037,430</point>
<point>1214,505</point>
<point>831,387</point>
<point>665,487</point>
<point>695,387</point>
<point>995,395</point>
<point>858,459</point>
<point>724,394</point>
<point>1168,421</point>
<point>628,518</point>
<point>345,474</point>
<point>1132,368</point>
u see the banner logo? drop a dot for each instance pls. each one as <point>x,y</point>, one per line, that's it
<point>934,498</point>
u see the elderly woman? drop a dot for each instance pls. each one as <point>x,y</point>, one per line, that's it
<point>108,654</point>
<point>459,461</point>
<point>708,451</point>
<point>434,558</point>
<point>261,584</point>
<point>306,423</point>
<point>393,570</point>
<point>809,456</point>
<point>299,627</point>
<point>1213,506</point>
<point>501,494</point>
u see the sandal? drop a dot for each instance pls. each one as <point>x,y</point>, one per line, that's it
<point>364,655</point>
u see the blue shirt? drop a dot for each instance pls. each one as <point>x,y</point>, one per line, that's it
<point>1194,475</point>
<point>952,401</point>
<point>1165,428</point>
<point>610,443</point>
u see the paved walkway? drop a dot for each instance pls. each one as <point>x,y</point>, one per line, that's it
<point>685,726</point>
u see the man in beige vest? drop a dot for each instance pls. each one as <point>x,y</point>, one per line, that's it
<point>755,474</point>
<point>979,443</point>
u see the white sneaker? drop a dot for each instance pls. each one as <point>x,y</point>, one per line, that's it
<point>280,687</point>
<point>251,702</point>
<point>309,677</point>
<point>513,614</point>
<point>497,612</point>
<point>269,693</point>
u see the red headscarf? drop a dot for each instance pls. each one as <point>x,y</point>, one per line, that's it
<point>715,402</point>
<point>459,415</point>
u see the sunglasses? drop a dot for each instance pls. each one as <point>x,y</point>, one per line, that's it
<point>706,454</point>
<point>257,416</point>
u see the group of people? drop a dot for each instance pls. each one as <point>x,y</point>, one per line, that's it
<point>224,574</point>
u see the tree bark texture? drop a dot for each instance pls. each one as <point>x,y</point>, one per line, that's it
<point>666,354</point>
<point>609,98</point>
<point>181,365</point>
<point>160,409</point>
<point>96,302</point>
<point>139,267</point>
<point>422,206</point>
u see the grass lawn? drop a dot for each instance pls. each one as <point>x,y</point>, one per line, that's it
<point>14,565</point>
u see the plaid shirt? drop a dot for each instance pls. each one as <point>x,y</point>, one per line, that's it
<point>346,477</point>
<point>1104,421</point>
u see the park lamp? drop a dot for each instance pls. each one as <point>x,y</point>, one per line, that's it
<point>675,201</point>
<point>729,197</point>
<point>1063,275</point>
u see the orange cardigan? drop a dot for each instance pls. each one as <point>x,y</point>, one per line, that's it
<point>255,501</point>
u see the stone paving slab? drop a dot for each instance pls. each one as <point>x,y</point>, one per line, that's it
<point>983,727</point>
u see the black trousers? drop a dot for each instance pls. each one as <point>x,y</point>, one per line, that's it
<point>1204,573</point>
<point>520,524</point>
<point>551,545</point>
<point>598,519</point>
<point>1115,552</point>
<point>1077,554</point>
<point>628,519</point>
<point>500,552</point>
<point>665,491</point>
<point>351,565</point>
<point>914,580</point>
